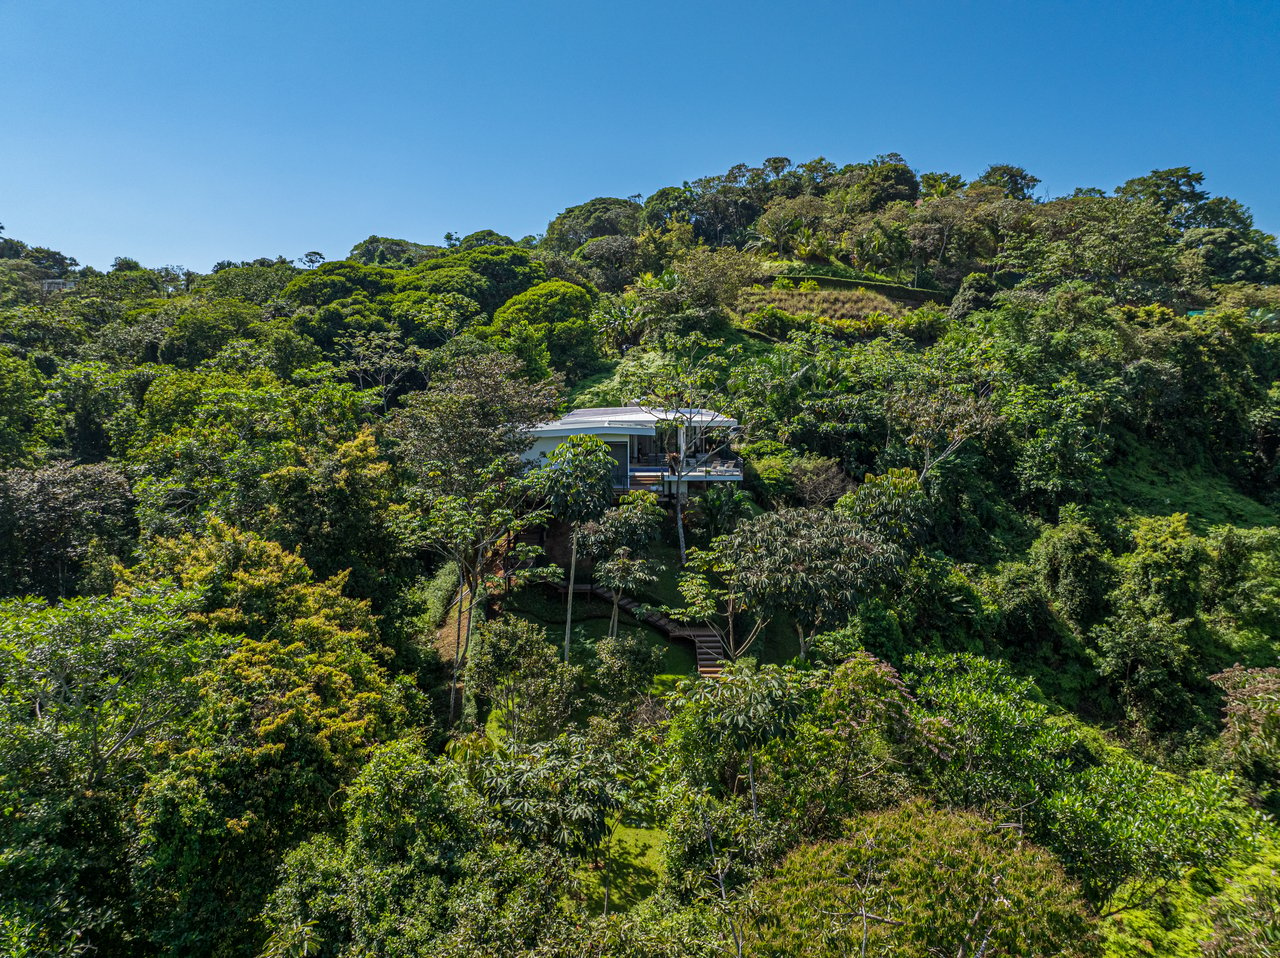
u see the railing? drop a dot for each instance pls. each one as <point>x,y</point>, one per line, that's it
<point>690,469</point>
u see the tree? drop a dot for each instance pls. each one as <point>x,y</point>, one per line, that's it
<point>935,421</point>
<point>381,361</point>
<point>1232,256</point>
<point>683,387</point>
<point>476,531</point>
<point>342,509</point>
<point>937,185</point>
<point>733,716</point>
<point>623,572</point>
<point>419,866</point>
<point>1126,250</point>
<point>619,541</point>
<point>484,238</point>
<point>516,668</point>
<point>473,418</point>
<point>623,670</point>
<point>862,743</point>
<point>977,292</point>
<point>1250,741</point>
<point>883,184</point>
<point>602,216</point>
<point>719,509</point>
<point>1127,831</point>
<point>20,390</point>
<point>577,481</point>
<point>1075,570</point>
<point>813,565</point>
<point>285,720</point>
<point>560,793</point>
<point>920,882</point>
<point>93,692</point>
<point>1000,753</point>
<point>1013,181</point>
<point>548,324</point>
<point>1175,192</point>
<point>61,526</point>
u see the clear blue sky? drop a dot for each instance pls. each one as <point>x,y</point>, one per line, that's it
<point>182,132</point>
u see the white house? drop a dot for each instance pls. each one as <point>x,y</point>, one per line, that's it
<point>660,449</point>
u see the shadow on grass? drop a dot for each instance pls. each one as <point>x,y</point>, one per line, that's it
<point>634,870</point>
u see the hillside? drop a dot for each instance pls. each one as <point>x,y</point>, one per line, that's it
<point>973,493</point>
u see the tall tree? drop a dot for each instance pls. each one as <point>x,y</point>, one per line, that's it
<point>683,387</point>
<point>463,441</point>
<point>578,483</point>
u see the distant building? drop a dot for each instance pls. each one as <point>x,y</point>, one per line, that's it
<point>48,286</point>
<point>660,449</point>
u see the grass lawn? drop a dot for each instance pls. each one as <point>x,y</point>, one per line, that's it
<point>591,623</point>
<point>1150,486</point>
<point>634,869</point>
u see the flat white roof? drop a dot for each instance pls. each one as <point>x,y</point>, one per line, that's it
<point>631,420</point>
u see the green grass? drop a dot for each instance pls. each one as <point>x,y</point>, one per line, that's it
<point>591,623</point>
<point>1149,485</point>
<point>602,389</point>
<point>634,869</point>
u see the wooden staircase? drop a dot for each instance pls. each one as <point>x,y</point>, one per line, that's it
<point>706,641</point>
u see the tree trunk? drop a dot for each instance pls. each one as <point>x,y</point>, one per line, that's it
<point>680,520</point>
<point>608,840</point>
<point>568,616</point>
<point>457,644</point>
<point>751,778</point>
<point>613,620</point>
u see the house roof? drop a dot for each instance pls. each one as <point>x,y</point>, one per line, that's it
<point>631,420</point>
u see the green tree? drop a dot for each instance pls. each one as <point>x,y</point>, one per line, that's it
<point>419,866</point>
<point>812,565</point>
<point>462,441</point>
<point>283,722</point>
<point>93,690</point>
<point>1013,181</point>
<point>1175,192</point>
<point>560,793</point>
<point>1250,741</point>
<point>20,392</point>
<point>1075,570</point>
<point>1127,831</point>
<point>684,386</point>
<point>602,216</point>
<point>551,319</point>
<point>730,718</point>
<point>577,481</point>
<point>61,527</point>
<point>862,744</point>
<point>515,667</point>
<point>917,881</point>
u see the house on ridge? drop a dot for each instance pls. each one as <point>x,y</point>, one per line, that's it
<point>663,450</point>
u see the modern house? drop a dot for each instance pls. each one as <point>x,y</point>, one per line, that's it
<point>664,450</point>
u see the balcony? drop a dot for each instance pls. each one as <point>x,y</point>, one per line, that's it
<point>654,472</point>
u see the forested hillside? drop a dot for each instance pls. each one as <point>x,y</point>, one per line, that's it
<point>288,665</point>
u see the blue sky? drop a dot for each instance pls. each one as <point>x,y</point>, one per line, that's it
<point>184,133</point>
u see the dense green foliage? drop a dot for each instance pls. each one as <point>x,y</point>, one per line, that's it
<point>281,667</point>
